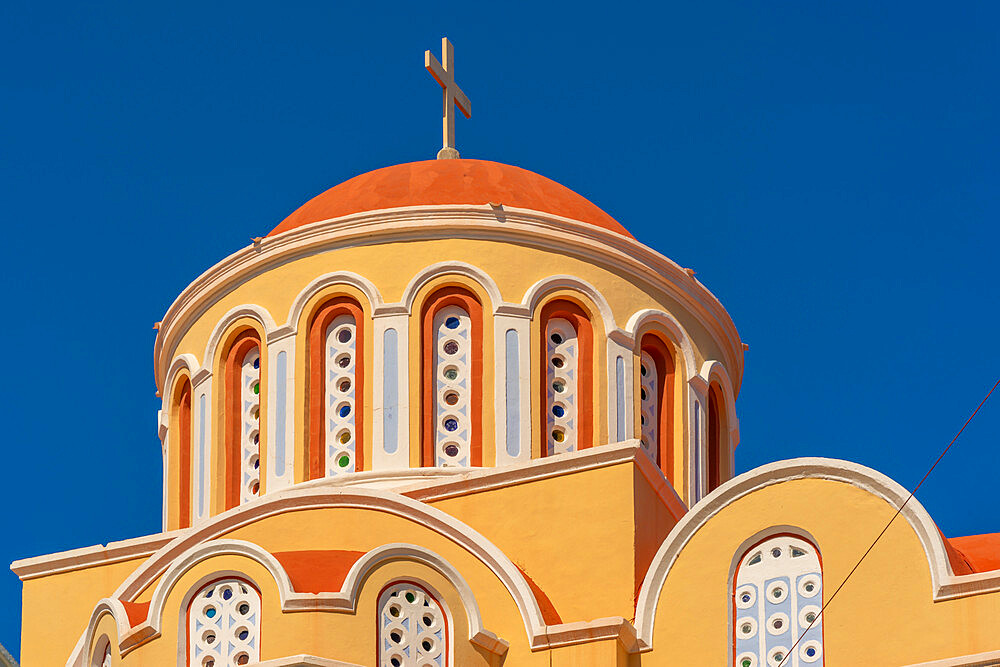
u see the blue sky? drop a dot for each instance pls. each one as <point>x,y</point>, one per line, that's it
<point>830,171</point>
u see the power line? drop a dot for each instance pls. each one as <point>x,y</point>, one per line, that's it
<point>900,509</point>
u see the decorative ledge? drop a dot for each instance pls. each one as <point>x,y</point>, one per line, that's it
<point>303,661</point>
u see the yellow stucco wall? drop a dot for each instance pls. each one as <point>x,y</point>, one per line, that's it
<point>583,538</point>
<point>56,609</point>
<point>574,535</point>
<point>545,527</point>
<point>884,616</point>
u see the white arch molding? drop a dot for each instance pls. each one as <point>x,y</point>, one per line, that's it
<point>546,286</point>
<point>226,322</point>
<point>292,499</point>
<point>714,371</point>
<point>344,600</point>
<point>646,319</point>
<point>333,279</point>
<point>443,269</point>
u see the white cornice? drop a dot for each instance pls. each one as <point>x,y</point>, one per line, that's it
<point>627,256</point>
<point>988,659</point>
<point>304,661</point>
<point>78,559</point>
<point>422,484</point>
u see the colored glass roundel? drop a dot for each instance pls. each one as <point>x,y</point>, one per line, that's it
<point>452,368</point>
<point>412,630</point>
<point>224,625</point>
<point>341,425</point>
<point>777,599</point>
<point>561,376</point>
<point>250,441</point>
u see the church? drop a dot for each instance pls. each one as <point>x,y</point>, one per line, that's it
<point>451,413</point>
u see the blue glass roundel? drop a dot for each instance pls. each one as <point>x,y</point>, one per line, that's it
<point>451,424</point>
<point>345,410</point>
<point>256,362</point>
<point>558,410</point>
<point>452,322</point>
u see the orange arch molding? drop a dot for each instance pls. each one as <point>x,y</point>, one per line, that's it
<point>663,358</point>
<point>183,443</point>
<point>238,350</point>
<point>575,315</point>
<point>316,383</point>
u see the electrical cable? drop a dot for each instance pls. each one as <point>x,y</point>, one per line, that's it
<point>898,510</point>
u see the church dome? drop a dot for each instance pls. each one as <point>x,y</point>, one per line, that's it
<point>436,182</point>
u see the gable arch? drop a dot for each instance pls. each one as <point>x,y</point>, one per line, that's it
<point>945,584</point>
<point>293,499</point>
<point>344,600</point>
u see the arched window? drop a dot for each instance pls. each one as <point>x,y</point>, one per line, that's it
<point>106,662</point>
<point>567,389</point>
<point>224,625</point>
<point>412,628</point>
<point>453,379</point>
<point>718,439</point>
<point>777,596</point>
<point>181,439</point>
<point>656,405</point>
<point>243,419</point>
<point>336,389</point>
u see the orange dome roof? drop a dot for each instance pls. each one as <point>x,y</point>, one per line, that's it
<point>449,182</point>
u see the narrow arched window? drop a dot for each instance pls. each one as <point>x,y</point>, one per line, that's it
<point>182,441</point>
<point>567,387</point>
<point>243,419</point>
<point>453,379</point>
<point>336,389</point>
<point>656,387</point>
<point>224,624</point>
<point>412,628</point>
<point>777,597</point>
<point>718,440</point>
<point>563,377</point>
<point>106,662</point>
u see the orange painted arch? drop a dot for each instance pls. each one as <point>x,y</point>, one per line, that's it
<point>578,317</point>
<point>241,345</point>
<point>463,298</point>
<point>316,383</point>
<point>663,359</point>
<point>182,406</point>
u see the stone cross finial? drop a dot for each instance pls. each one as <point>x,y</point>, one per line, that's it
<point>453,95</point>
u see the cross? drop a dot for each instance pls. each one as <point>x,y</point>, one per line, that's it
<point>453,95</point>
